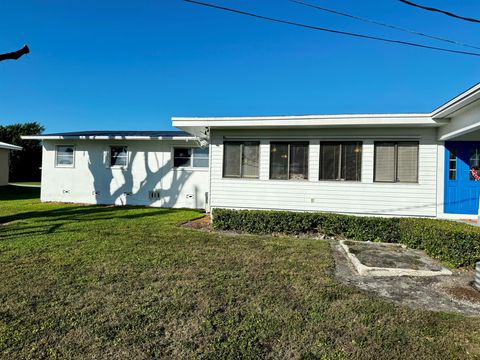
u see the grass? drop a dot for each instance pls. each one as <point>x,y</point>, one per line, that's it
<point>128,283</point>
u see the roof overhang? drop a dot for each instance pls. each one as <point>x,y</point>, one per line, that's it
<point>56,137</point>
<point>6,146</point>
<point>201,125</point>
<point>457,103</point>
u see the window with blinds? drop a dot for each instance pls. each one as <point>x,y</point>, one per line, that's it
<point>396,161</point>
<point>341,161</point>
<point>241,159</point>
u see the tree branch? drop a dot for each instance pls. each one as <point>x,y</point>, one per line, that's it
<point>15,55</point>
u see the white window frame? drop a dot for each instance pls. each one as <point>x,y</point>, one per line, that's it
<point>110,157</point>
<point>192,158</point>
<point>72,165</point>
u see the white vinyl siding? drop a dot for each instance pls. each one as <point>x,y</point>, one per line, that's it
<point>359,197</point>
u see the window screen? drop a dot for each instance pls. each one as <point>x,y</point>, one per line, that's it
<point>396,161</point>
<point>341,161</point>
<point>65,155</point>
<point>241,159</point>
<point>200,157</point>
<point>289,160</point>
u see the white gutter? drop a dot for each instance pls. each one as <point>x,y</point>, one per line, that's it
<point>309,120</point>
<point>6,146</point>
<point>41,137</point>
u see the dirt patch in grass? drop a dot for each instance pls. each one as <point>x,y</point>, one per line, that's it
<point>467,293</point>
<point>203,223</point>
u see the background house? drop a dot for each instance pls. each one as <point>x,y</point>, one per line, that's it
<point>4,161</point>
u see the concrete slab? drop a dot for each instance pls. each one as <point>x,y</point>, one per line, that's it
<point>383,259</point>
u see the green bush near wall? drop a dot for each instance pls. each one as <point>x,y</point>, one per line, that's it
<point>454,243</point>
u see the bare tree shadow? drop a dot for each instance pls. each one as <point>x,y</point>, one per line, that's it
<point>120,186</point>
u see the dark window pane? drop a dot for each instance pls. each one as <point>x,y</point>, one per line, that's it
<point>385,162</point>
<point>352,161</point>
<point>231,159</point>
<point>250,161</point>
<point>279,161</point>
<point>298,161</point>
<point>118,156</point>
<point>182,157</point>
<point>329,161</point>
<point>407,158</point>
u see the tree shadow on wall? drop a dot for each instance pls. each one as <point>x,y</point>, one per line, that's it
<point>119,186</point>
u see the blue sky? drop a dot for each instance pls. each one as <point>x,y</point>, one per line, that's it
<point>134,64</point>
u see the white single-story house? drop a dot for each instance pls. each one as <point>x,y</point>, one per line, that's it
<point>5,161</point>
<point>373,164</point>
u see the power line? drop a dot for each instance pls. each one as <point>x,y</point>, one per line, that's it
<point>383,24</point>
<point>440,11</point>
<point>332,30</point>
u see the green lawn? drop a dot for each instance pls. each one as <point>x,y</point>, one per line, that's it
<point>128,283</point>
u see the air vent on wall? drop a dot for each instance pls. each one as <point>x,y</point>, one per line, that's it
<point>154,195</point>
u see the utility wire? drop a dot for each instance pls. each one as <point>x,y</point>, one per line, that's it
<point>383,24</point>
<point>332,30</point>
<point>440,11</point>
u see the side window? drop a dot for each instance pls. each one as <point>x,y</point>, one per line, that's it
<point>182,157</point>
<point>118,156</point>
<point>190,157</point>
<point>341,161</point>
<point>475,165</point>
<point>396,162</point>
<point>241,159</point>
<point>65,156</point>
<point>452,165</point>
<point>289,160</point>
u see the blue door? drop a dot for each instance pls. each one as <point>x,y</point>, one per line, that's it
<point>462,177</point>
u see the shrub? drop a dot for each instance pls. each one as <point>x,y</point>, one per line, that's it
<point>454,243</point>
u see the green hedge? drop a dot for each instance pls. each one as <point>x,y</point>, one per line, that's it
<point>454,243</point>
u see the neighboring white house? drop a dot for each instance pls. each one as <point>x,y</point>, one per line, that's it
<point>4,161</point>
<point>388,164</point>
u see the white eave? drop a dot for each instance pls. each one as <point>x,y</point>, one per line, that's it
<point>196,125</point>
<point>457,103</point>
<point>6,146</point>
<point>41,137</point>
